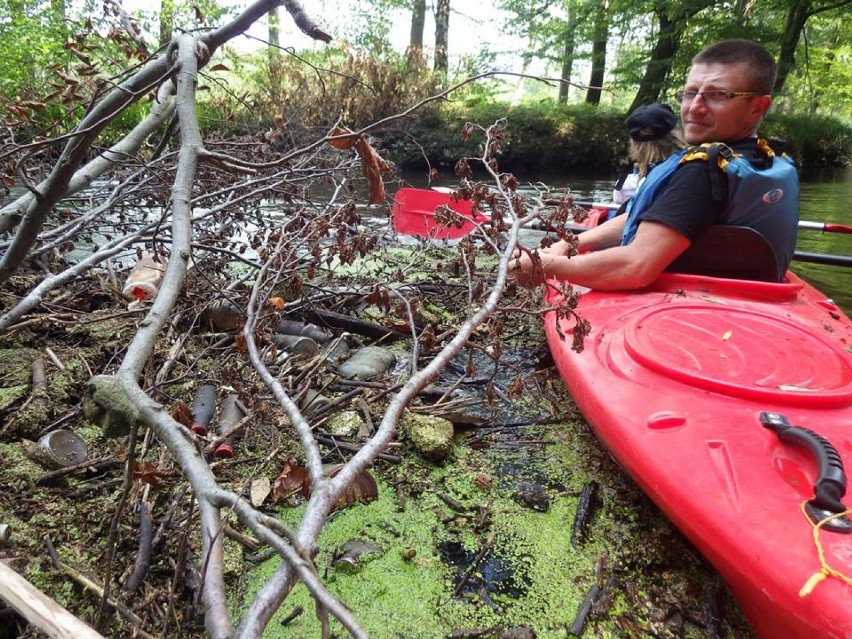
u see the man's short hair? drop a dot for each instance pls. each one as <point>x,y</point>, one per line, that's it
<point>737,50</point>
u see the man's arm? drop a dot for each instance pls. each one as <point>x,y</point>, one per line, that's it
<point>603,236</point>
<point>617,268</point>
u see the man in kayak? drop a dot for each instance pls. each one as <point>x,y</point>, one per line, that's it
<point>727,92</point>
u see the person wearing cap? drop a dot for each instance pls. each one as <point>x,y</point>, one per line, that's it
<point>727,93</point>
<point>654,136</point>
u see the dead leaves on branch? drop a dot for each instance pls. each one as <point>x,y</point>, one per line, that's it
<point>294,480</point>
<point>372,164</point>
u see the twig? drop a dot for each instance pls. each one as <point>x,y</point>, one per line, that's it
<point>112,538</point>
<point>585,509</point>
<point>180,566</point>
<point>354,448</point>
<point>452,503</point>
<point>39,609</point>
<point>298,610</point>
<point>712,609</point>
<point>89,584</point>
<point>475,563</point>
<point>247,541</point>
<point>101,463</point>
<point>166,521</point>
<point>594,593</point>
<point>143,555</point>
<point>54,358</point>
<point>38,375</point>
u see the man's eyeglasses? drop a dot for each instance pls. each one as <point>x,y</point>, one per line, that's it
<point>713,96</point>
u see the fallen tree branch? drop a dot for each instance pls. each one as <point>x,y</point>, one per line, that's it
<point>40,610</point>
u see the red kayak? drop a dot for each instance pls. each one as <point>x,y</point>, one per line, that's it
<point>414,213</point>
<point>730,403</point>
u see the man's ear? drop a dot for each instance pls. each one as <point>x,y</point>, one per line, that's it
<point>761,104</point>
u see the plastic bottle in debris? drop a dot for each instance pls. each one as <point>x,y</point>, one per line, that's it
<point>144,279</point>
<point>231,414</point>
<point>203,407</point>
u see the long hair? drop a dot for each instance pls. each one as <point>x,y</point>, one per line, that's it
<point>655,151</point>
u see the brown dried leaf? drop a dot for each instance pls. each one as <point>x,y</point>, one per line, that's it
<point>181,413</point>
<point>345,143</point>
<point>149,474</point>
<point>277,303</point>
<point>219,67</point>
<point>293,479</point>
<point>81,56</point>
<point>363,489</point>
<point>373,167</point>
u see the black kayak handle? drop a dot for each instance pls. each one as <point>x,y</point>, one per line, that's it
<point>830,486</point>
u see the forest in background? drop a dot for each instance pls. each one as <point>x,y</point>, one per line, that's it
<point>596,61</point>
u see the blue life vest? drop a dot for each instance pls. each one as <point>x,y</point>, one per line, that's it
<point>763,198</point>
<point>647,192</point>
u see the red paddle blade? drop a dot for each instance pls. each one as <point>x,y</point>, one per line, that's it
<point>413,213</point>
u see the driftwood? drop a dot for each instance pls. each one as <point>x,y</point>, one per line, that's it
<point>585,509</point>
<point>40,610</point>
<point>339,321</point>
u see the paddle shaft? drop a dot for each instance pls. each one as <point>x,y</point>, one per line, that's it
<point>807,225</point>
<point>822,258</point>
<point>825,227</point>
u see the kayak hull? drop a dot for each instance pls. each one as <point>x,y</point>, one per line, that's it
<point>673,379</point>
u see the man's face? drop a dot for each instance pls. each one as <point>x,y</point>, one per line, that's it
<point>721,120</point>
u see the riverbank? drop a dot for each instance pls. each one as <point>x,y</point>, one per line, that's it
<point>548,138</point>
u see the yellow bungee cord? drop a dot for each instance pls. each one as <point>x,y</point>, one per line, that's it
<point>825,569</point>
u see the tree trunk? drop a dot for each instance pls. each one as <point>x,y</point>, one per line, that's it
<point>442,33</point>
<point>57,7</point>
<point>795,23</point>
<point>274,30</point>
<point>567,59</point>
<point>167,11</point>
<point>596,78</point>
<point>665,48</point>
<point>418,24</point>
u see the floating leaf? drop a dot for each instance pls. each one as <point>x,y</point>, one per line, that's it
<point>363,488</point>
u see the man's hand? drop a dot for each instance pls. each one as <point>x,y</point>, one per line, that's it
<point>525,267</point>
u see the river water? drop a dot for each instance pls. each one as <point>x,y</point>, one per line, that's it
<point>826,196</point>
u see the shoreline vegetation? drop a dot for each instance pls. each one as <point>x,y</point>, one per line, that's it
<point>546,137</point>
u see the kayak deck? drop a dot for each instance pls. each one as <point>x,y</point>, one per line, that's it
<point>674,379</point>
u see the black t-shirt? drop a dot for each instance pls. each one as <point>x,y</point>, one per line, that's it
<point>686,203</point>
